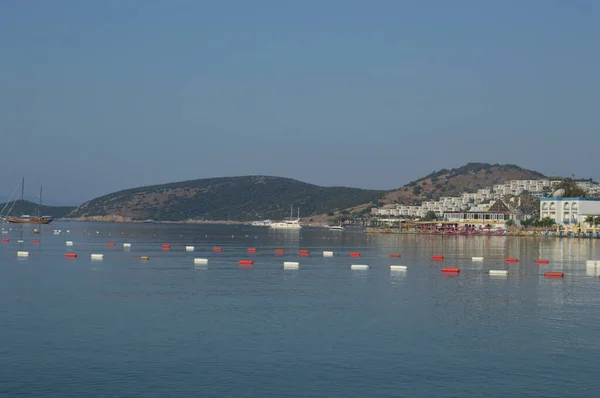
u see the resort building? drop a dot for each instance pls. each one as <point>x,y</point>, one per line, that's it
<point>494,212</point>
<point>569,210</point>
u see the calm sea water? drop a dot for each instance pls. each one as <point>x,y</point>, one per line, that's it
<point>122,327</point>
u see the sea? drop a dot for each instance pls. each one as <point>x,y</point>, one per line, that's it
<point>165,327</point>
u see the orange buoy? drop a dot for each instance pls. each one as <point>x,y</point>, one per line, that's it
<point>354,254</point>
<point>246,262</point>
<point>451,270</point>
<point>251,250</point>
<point>36,241</point>
<point>279,251</point>
<point>511,260</point>
<point>110,244</point>
<point>542,261</point>
<point>437,257</point>
<point>71,255</point>
<point>145,258</point>
<point>397,255</point>
<point>217,249</point>
<point>166,246</point>
<point>554,274</point>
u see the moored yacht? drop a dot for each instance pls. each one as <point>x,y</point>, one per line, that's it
<point>288,224</point>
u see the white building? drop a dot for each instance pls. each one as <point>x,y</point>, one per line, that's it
<point>569,210</point>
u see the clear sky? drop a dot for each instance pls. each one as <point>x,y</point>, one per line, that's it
<point>97,96</point>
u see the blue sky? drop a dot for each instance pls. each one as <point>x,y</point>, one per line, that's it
<point>106,95</point>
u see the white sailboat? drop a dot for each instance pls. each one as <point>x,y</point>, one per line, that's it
<point>288,224</point>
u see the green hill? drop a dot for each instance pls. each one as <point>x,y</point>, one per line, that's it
<point>235,198</point>
<point>27,207</point>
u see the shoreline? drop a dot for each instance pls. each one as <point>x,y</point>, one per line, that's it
<point>519,233</point>
<point>183,222</point>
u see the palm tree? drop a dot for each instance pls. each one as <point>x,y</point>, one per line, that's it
<point>592,220</point>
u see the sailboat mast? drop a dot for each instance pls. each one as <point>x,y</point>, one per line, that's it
<point>22,189</point>
<point>40,207</point>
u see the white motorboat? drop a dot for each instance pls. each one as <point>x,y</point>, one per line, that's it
<point>336,228</point>
<point>263,223</point>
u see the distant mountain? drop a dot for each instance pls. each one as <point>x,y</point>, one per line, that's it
<point>468,178</point>
<point>34,199</point>
<point>31,208</point>
<point>235,198</point>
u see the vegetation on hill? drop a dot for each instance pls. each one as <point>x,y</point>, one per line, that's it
<point>26,207</point>
<point>228,198</point>
<point>571,189</point>
<point>454,182</point>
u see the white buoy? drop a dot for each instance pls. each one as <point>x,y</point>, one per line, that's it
<point>327,254</point>
<point>359,267</point>
<point>398,267</point>
<point>22,254</point>
<point>477,258</point>
<point>189,248</point>
<point>69,243</point>
<point>200,261</point>
<point>291,265</point>
<point>126,245</point>
<point>498,272</point>
<point>592,263</point>
<point>97,256</point>
<point>20,241</point>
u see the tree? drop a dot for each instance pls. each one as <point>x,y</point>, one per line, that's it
<point>572,190</point>
<point>510,223</point>
<point>430,216</point>
<point>544,222</point>
<point>592,220</point>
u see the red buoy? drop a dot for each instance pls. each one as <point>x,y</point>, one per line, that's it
<point>304,252</point>
<point>36,241</point>
<point>511,260</point>
<point>166,246</point>
<point>397,255</point>
<point>279,251</point>
<point>451,270</point>
<point>4,240</point>
<point>542,261</point>
<point>110,244</point>
<point>437,257</point>
<point>71,255</point>
<point>354,254</point>
<point>251,250</point>
<point>217,249</point>
<point>246,262</point>
<point>554,274</point>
